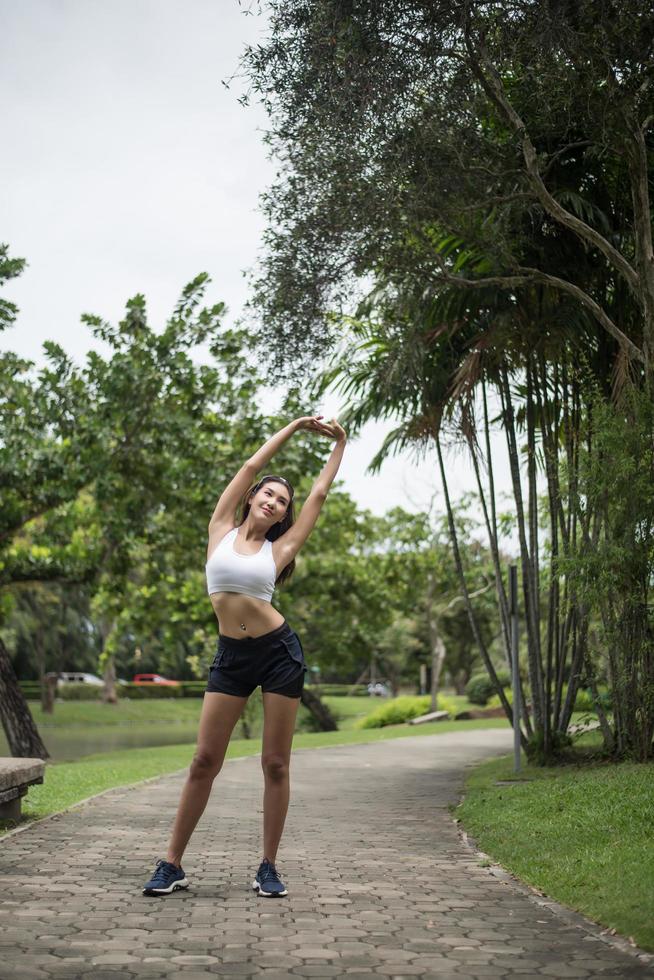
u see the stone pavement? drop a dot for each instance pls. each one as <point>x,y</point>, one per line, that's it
<point>379,881</point>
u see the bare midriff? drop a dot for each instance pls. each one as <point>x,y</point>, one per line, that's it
<point>234,611</point>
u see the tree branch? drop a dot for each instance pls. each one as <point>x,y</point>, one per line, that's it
<point>525,276</point>
<point>564,149</point>
<point>38,510</point>
<point>499,199</point>
<point>492,84</point>
<point>639,173</point>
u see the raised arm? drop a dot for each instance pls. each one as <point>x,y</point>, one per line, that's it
<point>292,540</point>
<point>233,492</point>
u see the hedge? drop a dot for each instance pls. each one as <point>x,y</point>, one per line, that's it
<point>480,687</point>
<point>186,689</point>
<point>403,708</point>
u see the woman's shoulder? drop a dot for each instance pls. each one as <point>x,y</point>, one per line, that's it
<point>280,544</point>
<point>221,529</point>
<point>218,533</point>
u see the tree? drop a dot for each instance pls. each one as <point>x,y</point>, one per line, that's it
<point>487,167</point>
<point>426,580</point>
<point>399,123</point>
<point>396,645</point>
<point>89,457</point>
<point>39,468</point>
<point>162,608</point>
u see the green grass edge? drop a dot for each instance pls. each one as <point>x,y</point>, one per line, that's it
<point>579,833</point>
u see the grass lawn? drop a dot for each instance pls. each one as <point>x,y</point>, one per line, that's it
<point>178,711</point>
<point>581,833</point>
<point>175,711</point>
<point>79,714</point>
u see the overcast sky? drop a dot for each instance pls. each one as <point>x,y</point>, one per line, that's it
<point>128,167</point>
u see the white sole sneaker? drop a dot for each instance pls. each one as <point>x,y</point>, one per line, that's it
<point>257,887</point>
<point>176,885</point>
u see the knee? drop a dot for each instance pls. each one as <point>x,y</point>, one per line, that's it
<point>275,766</point>
<point>204,765</point>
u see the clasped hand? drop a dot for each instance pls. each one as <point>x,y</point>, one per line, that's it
<point>314,423</point>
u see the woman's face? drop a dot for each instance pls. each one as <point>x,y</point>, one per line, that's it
<point>270,502</point>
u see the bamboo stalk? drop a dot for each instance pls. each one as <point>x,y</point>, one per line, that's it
<point>533,652</point>
<point>491,529</point>
<point>466,596</point>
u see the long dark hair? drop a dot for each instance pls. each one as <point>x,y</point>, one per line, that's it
<point>280,527</point>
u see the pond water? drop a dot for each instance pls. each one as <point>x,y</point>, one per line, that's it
<point>81,733</point>
<point>68,744</point>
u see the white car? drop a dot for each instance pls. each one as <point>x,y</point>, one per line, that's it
<point>78,677</point>
<point>378,689</point>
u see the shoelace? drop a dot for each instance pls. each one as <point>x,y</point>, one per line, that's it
<point>163,872</point>
<point>269,873</point>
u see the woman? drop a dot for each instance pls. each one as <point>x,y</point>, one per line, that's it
<point>246,559</point>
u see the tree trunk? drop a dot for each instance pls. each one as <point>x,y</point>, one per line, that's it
<point>49,692</point>
<point>491,529</point>
<point>437,658</point>
<point>47,700</point>
<point>22,734</point>
<point>109,695</point>
<point>460,679</point>
<point>528,585</point>
<point>320,711</point>
<point>435,641</point>
<point>492,673</point>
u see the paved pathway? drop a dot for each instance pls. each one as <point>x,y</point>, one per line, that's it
<point>379,882</point>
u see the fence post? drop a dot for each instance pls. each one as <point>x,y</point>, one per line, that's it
<point>515,673</point>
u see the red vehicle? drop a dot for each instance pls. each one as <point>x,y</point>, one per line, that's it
<point>153,679</point>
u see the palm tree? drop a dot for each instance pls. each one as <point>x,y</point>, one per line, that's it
<point>430,356</point>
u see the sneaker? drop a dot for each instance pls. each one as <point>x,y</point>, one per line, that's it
<point>268,882</point>
<point>167,878</point>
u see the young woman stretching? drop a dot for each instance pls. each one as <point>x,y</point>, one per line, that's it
<point>246,559</point>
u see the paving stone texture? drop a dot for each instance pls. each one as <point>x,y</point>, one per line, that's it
<point>380,882</point>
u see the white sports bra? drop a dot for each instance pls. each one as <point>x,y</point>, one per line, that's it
<point>229,571</point>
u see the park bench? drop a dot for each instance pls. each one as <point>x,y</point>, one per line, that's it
<point>431,716</point>
<point>16,775</point>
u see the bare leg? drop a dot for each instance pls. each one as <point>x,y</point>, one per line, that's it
<point>279,714</point>
<point>220,712</point>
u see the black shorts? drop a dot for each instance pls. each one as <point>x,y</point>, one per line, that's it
<point>274,660</point>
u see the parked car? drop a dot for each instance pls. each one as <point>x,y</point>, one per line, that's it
<point>378,690</point>
<point>153,679</point>
<point>78,677</point>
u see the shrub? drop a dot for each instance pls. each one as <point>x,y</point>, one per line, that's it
<point>584,700</point>
<point>78,692</point>
<point>335,690</point>
<point>140,691</point>
<point>480,687</point>
<point>401,709</point>
<point>444,703</point>
<point>193,689</point>
<point>494,701</point>
<point>561,743</point>
<point>31,690</point>
<point>91,692</point>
